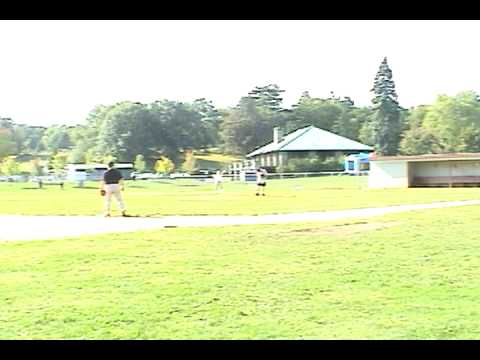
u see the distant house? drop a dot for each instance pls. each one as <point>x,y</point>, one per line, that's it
<point>77,173</point>
<point>306,142</point>
<point>94,172</point>
<point>436,170</point>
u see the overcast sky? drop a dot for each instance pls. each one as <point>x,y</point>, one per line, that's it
<point>57,71</point>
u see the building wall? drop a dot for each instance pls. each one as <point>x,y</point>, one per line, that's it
<point>388,174</point>
<point>314,154</point>
<point>411,172</point>
<point>276,159</point>
<point>446,168</point>
<point>400,173</point>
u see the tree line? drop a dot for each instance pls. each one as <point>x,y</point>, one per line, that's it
<point>166,129</point>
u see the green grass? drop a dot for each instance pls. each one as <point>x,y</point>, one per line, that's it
<point>404,276</point>
<point>190,197</point>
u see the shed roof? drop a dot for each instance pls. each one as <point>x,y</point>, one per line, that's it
<point>427,157</point>
<point>311,138</point>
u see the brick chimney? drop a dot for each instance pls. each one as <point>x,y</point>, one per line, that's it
<point>277,135</point>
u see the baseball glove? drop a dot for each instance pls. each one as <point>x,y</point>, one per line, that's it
<point>102,192</point>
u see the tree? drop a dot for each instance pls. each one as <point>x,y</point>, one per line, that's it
<point>366,134</point>
<point>139,163</point>
<point>58,162</point>
<point>246,127</point>
<point>416,116</point>
<point>267,96</point>
<point>6,143</point>
<point>9,166</point>
<point>36,168</point>
<point>190,163</point>
<point>386,112</point>
<point>325,114</point>
<point>79,153</point>
<point>32,142</point>
<point>93,156</point>
<point>19,137</point>
<point>231,129</point>
<point>163,128</point>
<point>86,137</point>
<point>455,121</point>
<point>305,97</point>
<point>127,130</point>
<point>186,127</point>
<point>211,119</point>
<point>351,122</point>
<point>56,138</point>
<point>164,166</point>
<point>419,140</point>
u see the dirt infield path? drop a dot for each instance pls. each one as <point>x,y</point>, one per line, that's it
<point>18,227</point>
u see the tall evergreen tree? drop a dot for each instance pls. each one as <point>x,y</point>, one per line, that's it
<point>304,98</point>
<point>267,96</point>
<point>386,122</point>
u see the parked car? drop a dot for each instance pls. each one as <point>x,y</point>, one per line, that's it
<point>203,172</point>
<point>17,178</point>
<point>178,175</point>
<point>145,176</point>
<point>134,175</point>
<point>142,176</point>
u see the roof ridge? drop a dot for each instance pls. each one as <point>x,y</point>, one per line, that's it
<point>293,136</point>
<point>308,128</point>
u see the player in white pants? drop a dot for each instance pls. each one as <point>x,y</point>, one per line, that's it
<point>113,190</point>
<point>112,184</point>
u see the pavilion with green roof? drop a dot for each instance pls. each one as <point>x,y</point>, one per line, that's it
<point>306,142</point>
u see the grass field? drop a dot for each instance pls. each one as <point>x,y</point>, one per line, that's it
<point>190,197</point>
<point>404,276</point>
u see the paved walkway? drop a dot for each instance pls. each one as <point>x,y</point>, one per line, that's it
<point>19,227</point>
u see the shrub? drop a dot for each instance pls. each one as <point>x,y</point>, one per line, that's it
<point>164,166</point>
<point>36,168</point>
<point>139,163</point>
<point>9,166</point>
<point>190,163</point>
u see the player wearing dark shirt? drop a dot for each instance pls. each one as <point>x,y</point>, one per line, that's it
<point>112,176</point>
<point>261,181</point>
<point>112,185</point>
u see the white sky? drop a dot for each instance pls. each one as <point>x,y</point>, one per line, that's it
<point>57,71</point>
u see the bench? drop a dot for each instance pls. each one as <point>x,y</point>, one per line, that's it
<point>41,183</point>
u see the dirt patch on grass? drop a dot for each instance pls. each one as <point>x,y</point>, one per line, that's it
<point>347,229</point>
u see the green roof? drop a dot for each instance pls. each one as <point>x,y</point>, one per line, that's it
<point>311,138</point>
